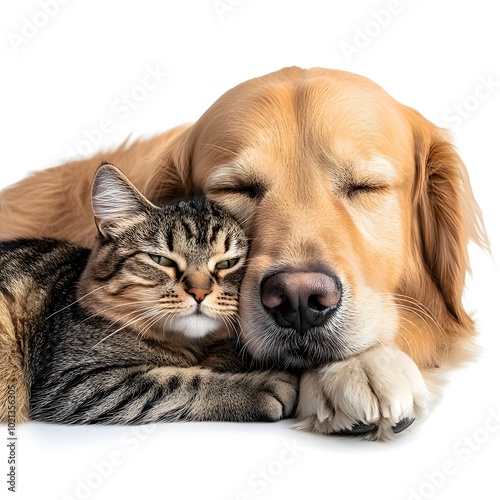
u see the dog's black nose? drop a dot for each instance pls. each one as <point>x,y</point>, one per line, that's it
<point>300,300</point>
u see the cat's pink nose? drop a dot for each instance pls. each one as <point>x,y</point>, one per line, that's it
<point>198,285</point>
<point>198,293</point>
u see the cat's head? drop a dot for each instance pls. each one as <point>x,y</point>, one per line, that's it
<point>167,270</point>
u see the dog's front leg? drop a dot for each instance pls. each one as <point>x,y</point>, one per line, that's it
<point>377,393</point>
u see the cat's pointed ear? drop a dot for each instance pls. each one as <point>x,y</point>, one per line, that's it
<point>116,202</point>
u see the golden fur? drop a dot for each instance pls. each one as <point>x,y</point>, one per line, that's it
<point>12,374</point>
<point>304,137</point>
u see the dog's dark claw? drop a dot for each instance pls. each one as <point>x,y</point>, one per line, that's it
<point>402,425</point>
<point>358,429</point>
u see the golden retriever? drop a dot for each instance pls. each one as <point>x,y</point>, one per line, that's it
<point>359,212</point>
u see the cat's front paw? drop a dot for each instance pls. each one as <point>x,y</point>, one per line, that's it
<point>378,394</point>
<point>276,395</point>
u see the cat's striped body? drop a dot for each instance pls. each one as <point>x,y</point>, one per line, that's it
<point>105,333</point>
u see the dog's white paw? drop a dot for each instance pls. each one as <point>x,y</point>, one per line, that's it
<point>378,394</point>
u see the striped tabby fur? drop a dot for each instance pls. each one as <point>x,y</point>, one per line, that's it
<point>140,328</point>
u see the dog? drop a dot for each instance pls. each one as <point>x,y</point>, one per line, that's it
<point>359,212</point>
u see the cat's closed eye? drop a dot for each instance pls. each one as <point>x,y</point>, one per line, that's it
<point>163,261</point>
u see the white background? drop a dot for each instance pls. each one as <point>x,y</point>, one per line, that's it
<point>61,79</point>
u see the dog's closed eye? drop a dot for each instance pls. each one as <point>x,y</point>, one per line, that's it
<point>254,190</point>
<point>354,190</point>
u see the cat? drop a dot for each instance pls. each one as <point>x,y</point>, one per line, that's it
<point>140,328</point>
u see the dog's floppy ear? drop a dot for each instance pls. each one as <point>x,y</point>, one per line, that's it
<point>171,178</point>
<point>447,215</point>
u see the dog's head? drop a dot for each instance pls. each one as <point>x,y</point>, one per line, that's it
<point>357,208</point>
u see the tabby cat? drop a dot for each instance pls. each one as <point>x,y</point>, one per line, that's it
<point>140,328</point>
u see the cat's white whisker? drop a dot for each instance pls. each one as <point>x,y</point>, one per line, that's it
<point>126,325</point>
<point>125,304</point>
<point>149,324</point>
<point>76,301</point>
